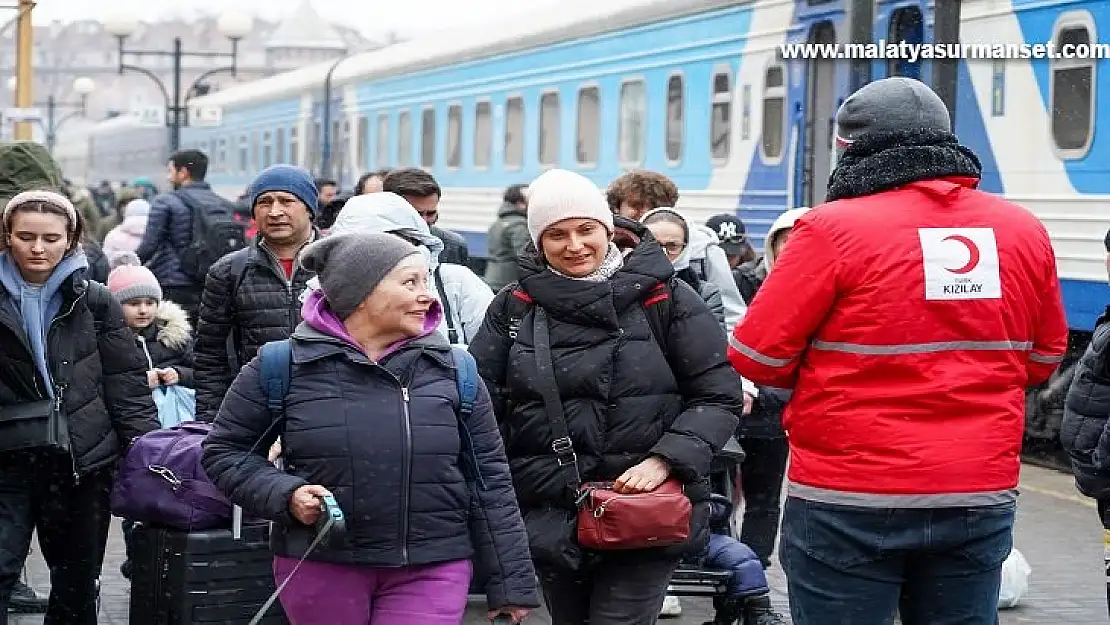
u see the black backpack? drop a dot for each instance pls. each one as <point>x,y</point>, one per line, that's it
<point>216,233</point>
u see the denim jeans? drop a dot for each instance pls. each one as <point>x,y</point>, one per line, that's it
<point>861,566</point>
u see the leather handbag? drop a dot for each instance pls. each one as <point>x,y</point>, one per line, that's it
<point>33,425</point>
<point>608,520</point>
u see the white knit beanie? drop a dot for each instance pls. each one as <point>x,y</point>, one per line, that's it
<point>559,194</point>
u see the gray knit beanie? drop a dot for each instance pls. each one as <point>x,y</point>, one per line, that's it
<point>889,105</point>
<point>350,266</point>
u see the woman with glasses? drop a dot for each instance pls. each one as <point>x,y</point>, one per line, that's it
<point>672,231</point>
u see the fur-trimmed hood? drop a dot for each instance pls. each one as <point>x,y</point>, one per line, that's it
<point>174,330</point>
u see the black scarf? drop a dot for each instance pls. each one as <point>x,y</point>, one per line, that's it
<point>884,161</point>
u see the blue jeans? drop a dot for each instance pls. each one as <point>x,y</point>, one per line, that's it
<point>860,566</point>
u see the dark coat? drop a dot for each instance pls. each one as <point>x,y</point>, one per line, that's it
<point>455,250</point>
<point>384,438</point>
<point>508,239</point>
<point>1087,413</point>
<point>168,342</point>
<point>106,401</point>
<point>169,230</point>
<point>623,399</point>
<point>265,307</point>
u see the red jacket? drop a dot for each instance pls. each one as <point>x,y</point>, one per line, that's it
<point>908,324</point>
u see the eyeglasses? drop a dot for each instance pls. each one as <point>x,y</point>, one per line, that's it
<point>673,248</point>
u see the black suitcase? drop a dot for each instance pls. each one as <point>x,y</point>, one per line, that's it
<point>195,578</point>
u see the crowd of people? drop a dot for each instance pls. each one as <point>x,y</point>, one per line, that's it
<point>618,342</point>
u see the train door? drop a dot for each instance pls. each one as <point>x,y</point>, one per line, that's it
<point>920,22</point>
<point>821,101</point>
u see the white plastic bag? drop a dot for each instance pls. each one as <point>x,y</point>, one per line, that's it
<point>1015,580</point>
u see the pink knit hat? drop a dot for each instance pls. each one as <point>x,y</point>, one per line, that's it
<point>130,280</point>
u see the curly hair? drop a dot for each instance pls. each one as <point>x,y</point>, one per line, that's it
<point>651,188</point>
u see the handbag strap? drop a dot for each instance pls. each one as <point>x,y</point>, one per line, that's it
<point>553,405</point>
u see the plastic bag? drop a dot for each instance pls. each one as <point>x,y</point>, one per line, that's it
<point>176,404</point>
<point>1015,580</point>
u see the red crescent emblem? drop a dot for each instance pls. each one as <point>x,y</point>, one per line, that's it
<point>972,250</point>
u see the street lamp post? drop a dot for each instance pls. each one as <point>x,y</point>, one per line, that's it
<point>82,87</point>
<point>233,25</point>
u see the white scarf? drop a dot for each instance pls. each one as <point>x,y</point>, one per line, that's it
<point>609,266</point>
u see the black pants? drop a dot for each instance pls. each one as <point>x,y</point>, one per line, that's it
<point>187,297</point>
<point>618,588</point>
<point>38,492</point>
<point>761,478</point>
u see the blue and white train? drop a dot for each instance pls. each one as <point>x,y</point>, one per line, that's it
<point>699,90</point>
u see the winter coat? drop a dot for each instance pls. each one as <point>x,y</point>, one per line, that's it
<point>466,295</point>
<point>98,262</point>
<point>848,320</point>
<point>384,438</point>
<point>247,310</point>
<point>1086,414</point>
<point>508,239</point>
<point>703,253</point>
<point>623,399</point>
<point>127,236</point>
<point>169,231</point>
<point>92,357</point>
<point>168,342</point>
<point>455,250</point>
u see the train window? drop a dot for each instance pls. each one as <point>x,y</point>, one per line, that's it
<point>906,25</point>
<point>676,118</point>
<point>720,123</point>
<point>360,151</point>
<point>549,128</point>
<point>340,140</point>
<point>514,132</point>
<point>404,139</point>
<point>1072,90</point>
<point>255,151</point>
<point>244,155</point>
<point>221,155</point>
<point>383,140</point>
<point>294,147</point>
<point>774,112</point>
<point>267,149</point>
<point>279,145</point>
<point>633,111</point>
<point>313,146</point>
<point>428,138</point>
<point>589,122</point>
<point>454,136</point>
<point>483,134</point>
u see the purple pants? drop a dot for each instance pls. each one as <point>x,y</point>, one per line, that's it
<point>341,594</point>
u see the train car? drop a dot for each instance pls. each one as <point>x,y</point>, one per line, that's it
<point>123,148</point>
<point>700,90</point>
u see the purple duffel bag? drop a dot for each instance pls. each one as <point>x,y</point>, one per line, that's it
<point>161,482</point>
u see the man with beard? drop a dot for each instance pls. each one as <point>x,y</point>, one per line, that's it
<point>170,227</point>
<point>252,296</point>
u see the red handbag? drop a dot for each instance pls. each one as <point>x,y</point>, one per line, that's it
<point>608,520</point>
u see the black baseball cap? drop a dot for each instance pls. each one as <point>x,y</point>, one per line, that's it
<point>730,232</point>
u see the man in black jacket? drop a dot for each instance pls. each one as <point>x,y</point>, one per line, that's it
<point>420,189</point>
<point>252,296</point>
<point>1087,417</point>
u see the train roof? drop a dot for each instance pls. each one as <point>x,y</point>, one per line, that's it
<point>570,19</point>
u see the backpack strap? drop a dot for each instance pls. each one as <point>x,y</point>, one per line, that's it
<point>276,363</point>
<point>452,331</point>
<point>658,306</point>
<point>239,263</point>
<point>466,379</point>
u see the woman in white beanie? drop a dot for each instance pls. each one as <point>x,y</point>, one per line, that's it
<point>644,394</point>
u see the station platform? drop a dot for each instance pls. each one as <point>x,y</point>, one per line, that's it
<point>1057,531</point>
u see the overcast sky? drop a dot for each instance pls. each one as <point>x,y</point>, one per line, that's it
<point>372,17</point>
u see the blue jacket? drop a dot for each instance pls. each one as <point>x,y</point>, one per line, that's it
<point>384,439</point>
<point>169,230</point>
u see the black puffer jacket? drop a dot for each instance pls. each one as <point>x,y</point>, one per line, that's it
<point>106,399</point>
<point>265,307</point>
<point>385,439</point>
<point>1086,412</point>
<point>623,401</point>
<point>168,342</point>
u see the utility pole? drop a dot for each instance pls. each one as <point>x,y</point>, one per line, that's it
<point>24,55</point>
